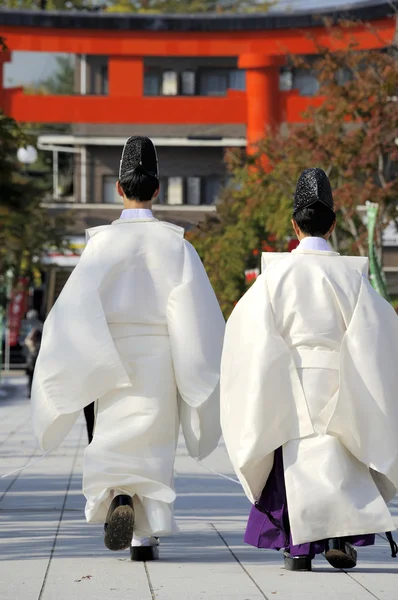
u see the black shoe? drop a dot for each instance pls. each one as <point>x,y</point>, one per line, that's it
<point>297,563</point>
<point>119,524</point>
<point>144,553</point>
<point>341,554</point>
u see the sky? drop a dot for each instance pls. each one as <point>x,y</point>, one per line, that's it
<point>28,67</point>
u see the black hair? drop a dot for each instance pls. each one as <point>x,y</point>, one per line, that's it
<point>139,184</point>
<point>315,220</point>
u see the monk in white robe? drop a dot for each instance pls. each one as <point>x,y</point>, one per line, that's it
<point>309,384</point>
<point>138,330</point>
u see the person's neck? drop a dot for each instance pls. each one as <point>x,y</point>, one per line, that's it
<point>136,204</point>
<point>305,236</point>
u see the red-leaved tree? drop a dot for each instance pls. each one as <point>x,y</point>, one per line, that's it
<point>351,135</point>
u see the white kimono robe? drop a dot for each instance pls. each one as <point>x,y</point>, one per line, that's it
<point>310,363</point>
<point>137,329</point>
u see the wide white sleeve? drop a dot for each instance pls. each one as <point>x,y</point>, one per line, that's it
<point>78,361</point>
<point>196,329</point>
<point>262,399</point>
<point>366,413</point>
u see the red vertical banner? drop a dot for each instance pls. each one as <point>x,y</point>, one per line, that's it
<point>17,309</point>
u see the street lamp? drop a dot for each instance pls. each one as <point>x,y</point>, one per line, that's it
<point>28,155</point>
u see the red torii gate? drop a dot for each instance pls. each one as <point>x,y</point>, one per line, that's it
<point>260,52</point>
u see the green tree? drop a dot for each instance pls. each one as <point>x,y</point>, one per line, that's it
<point>351,136</point>
<point>231,242</point>
<point>62,81</point>
<point>26,230</point>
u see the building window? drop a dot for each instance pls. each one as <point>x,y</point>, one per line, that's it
<point>104,80</point>
<point>152,83</point>
<point>163,191</point>
<point>188,83</point>
<point>213,83</point>
<point>237,80</point>
<point>157,83</point>
<point>306,82</point>
<point>286,80</point>
<point>212,189</point>
<point>207,82</point>
<point>169,83</point>
<point>175,191</point>
<point>109,192</point>
<point>344,75</point>
<point>97,74</point>
<point>193,191</point>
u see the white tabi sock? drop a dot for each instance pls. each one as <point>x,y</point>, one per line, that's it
<point>143,541</point>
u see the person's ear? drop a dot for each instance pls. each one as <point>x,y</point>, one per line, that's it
<point>296,229</point>
<point>119,189</point>
<point>156,194</point>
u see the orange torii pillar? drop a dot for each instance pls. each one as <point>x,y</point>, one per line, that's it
<point>126,76</point>
<point>263,94</point>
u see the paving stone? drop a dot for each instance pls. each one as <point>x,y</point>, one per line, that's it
<point>48,552</point>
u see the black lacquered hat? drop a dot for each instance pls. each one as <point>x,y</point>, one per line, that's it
<point>313,186</point>
<point>139,153</point>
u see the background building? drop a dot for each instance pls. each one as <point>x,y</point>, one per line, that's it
<point>196,85</point>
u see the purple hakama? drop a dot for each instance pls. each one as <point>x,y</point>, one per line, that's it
<point>268,525</point>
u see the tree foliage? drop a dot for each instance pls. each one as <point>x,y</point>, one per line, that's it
<point>26,230</point>
<point>351,135</point>
<point>61,81</point>
<point>186,6</point>
<point>142,6</point>
<point>51,4</point>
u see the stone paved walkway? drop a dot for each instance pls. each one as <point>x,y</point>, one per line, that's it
<point>48,552</point>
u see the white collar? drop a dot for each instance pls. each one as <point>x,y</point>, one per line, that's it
<point>314,243</point>
<point>136,213</point>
